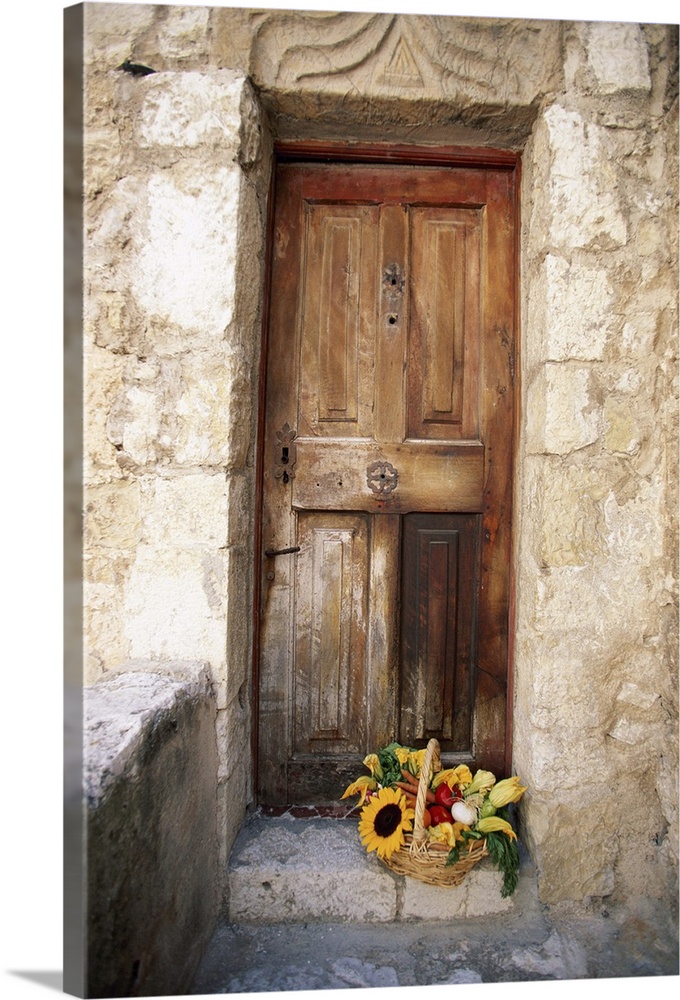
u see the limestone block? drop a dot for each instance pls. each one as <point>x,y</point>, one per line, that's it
<point>617,55</point>
<point>194,411</point>
<point>233,737</point>
<point>639,333</point>
<point>187,110</point>
<point>103,375</point>
<point>322,873</point>
<point>571,420</point>
<point>251,128</point>
<point>105,644</point>
<point>408,57</point>
<point>478,895</point>
<point>635,522</point>
<point>240,502</point>
<point>109,28</point>
<point>579,313</point>
<point>578,852</point>
<point>183,33</point>
<point>185,511</point>
<point>583,185</point>
<point>181,270</point>
<point>572,528</point>
<point>175,603</point>
<point>233,796</point>
<point>102,158</point>
<point>152,839</point>
<point>136,423</point>
<point>214,412</point>
<point>113,517</point>
<point>622,430</point>
<point>484,892</point>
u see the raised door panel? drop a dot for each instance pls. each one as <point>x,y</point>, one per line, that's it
<point>439,600</point>
<point>443,366</point>
<point>338,329</point>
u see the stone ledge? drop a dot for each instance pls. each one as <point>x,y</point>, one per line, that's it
<point>122,706</point>
<point>298,870</point>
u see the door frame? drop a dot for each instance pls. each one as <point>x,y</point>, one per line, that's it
<point>288,151</point>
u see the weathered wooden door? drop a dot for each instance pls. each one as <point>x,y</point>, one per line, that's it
<point>388,438</point>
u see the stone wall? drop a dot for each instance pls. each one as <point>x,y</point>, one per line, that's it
<point>153,892</point>
<point>176,175</point>
<point>177,168</point>
<point>596,606</point>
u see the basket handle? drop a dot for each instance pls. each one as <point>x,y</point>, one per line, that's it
<point>431,762</point>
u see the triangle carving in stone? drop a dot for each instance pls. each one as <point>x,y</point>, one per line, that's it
<point>402,69</point>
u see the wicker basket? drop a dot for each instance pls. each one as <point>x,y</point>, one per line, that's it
<point>423,858</point>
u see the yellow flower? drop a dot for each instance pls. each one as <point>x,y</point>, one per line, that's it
<point>453,776</point>
<point>373,764</point>
<point>508,790</point>
<point>360,787</point>
<point>482,782</point>
<point>493,823</point>
<point>402,754</point>
<point>384,821</point>
<point>415,761</point>
<point>447,833</point>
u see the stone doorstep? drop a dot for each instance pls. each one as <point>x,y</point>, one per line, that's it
<point>283,869</point>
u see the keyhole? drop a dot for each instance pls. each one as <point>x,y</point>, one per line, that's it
<point>284,456</point>
<point>392,320</point>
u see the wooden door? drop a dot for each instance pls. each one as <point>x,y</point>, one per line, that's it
<point>388,438</point>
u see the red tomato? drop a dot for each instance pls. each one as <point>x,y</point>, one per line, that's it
<point>445,796</point>
<point>439,814</point>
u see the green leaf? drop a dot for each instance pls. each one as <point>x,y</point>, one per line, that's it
<point>505,855</point>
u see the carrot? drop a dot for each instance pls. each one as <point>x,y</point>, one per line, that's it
<point>406,787</point>
<point>411,789</point>
<point>411,778</point>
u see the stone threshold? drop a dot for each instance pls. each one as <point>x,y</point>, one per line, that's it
<point>298,869</point>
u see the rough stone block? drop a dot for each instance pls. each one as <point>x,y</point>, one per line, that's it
<point>102,380</point>
<point>305,870</point>
<point>571,420</point>
<point>181,270</point>
<point>583,183</point>
<point>187,110</point>
<point>113,517</point>
<point>622,431</point>
<point>152,849</point>
<point>175,604</point>
<point>572,526</point>
<point>484,893</point>
<point>430,902</point>
<point>185,511</point>
<point>617,55</point>
<point>579,311</point>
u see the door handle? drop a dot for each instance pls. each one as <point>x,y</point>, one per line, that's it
<point>271,553</point>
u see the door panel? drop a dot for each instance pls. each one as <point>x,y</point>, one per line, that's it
<point>439,612</point>
<point>444,332</point>
<point>388,455</point>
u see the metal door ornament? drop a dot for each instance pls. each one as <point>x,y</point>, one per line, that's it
<point>382,477</point>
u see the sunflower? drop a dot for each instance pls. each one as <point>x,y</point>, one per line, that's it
<point>384,820</point>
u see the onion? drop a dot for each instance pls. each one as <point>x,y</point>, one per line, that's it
<point>463,813</point>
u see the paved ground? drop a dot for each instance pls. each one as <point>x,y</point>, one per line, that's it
<point>525,944</point>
